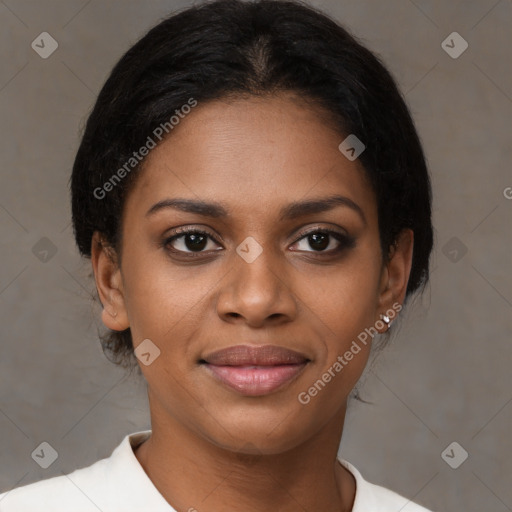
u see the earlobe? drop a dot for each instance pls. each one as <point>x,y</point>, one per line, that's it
<point>109,319</point>
<point>395,274</point>
<point>107,275</point>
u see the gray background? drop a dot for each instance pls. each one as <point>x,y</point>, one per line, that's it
<point>445,377</point>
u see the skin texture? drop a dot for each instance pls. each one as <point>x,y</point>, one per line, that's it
<point>212,448</point>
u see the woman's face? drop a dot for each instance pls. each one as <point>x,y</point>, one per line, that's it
<point>261,276</point>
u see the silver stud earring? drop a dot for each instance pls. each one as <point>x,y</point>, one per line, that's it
<point>386,320</point>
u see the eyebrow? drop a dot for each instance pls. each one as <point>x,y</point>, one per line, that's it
<point>289,212</point>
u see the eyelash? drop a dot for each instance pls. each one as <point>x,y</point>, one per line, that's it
<point>345,241</point>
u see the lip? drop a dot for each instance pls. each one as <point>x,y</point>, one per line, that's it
<point>255,370</point>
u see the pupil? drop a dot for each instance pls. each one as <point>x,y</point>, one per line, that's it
<point>197,242</point>
<point>319,241</point>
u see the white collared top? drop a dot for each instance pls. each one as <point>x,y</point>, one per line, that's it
<point>119,484</point>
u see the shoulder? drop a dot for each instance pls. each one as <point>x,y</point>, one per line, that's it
<point>116,483</point>
<point>377,498</point>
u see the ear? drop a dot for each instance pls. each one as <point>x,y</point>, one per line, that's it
<point>395,272</point>
<point>109,284</point>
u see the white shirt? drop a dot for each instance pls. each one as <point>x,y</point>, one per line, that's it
<point>120,484</point>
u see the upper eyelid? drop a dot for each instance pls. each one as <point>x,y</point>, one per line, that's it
<point>183,230</point>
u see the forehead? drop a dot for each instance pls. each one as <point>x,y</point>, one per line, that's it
<point>253,154</point>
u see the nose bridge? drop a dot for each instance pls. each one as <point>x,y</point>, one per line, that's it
<point>256,286</point>
<point>255,269</point>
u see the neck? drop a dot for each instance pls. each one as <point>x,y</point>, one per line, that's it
<point>192,473</point>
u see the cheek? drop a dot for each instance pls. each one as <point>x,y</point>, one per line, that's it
<point>160,298</point>
<point>343,305</point>
<point>346,296</point>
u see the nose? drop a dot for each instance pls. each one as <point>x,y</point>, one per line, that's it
<point>256,293</point>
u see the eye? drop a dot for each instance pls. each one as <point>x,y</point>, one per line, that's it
<point>325,241</point>
<point>194,242</point>
<point>190,240</point>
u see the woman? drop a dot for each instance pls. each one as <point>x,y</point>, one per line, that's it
<point>254,199</point>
